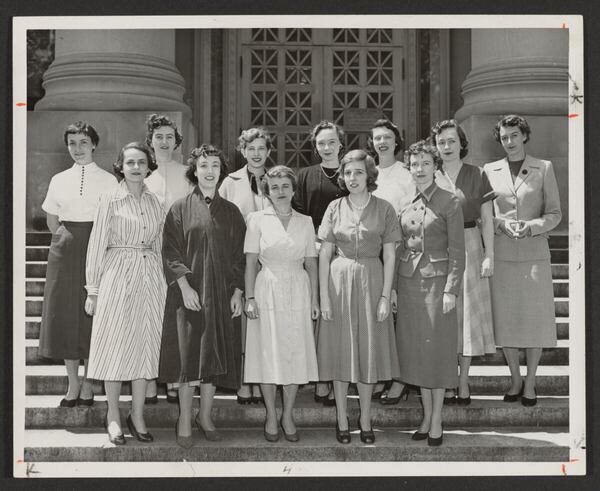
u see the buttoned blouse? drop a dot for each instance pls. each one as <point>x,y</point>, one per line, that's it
<point>472,188</point>
<point>169,183</point>
<point>73,194</point>
<point>362,238</point>
<point>124,223</point>
<point>395,185</point>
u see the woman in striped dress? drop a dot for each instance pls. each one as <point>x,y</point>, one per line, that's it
<point>126,289</point>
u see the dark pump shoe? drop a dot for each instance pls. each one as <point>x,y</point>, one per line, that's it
<point>529,402</point>
<point>515,397</point>
<point>435,442</point>
<point>271,437</point>
<point>210,435</point>
<point>85,402</point>
<point>386,401</point>
<point>186,442</point>
<point>342,436</point>
<point>117,439</point>
<point>151,400</point>
<point>290,437</point>
<point>172,399</point>
<point>366,436</point>
<point>418,436</point>
<point>140,437</point>
<point>68,402</point>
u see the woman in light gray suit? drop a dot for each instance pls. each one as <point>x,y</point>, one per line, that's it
<point>526,208</point>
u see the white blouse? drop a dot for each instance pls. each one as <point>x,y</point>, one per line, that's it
<point>73,193</point>
<point>395,185</point>
<point>169,183</point>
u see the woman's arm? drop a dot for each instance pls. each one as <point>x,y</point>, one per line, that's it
<point>250,280</point>
<point>310,264</point>
<point>487,232</point>
<point>324,259</point>
<point>52,222</point>
<point>389,258</point>
<point>94,262</point>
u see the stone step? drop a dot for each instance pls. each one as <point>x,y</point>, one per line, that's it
<point>38,238</point>
<point>43,412</point>
<point>36,253</point>
<point>33,306</point>
<point>558,241</point>
<point>550,356</point>
<point>32,327</point>
<point>552,380</point>
<point>35,287</point>
<point>493,444</point>
<point>35,269</point>
<point>559,256</point>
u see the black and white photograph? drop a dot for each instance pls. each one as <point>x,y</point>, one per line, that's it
<point>310,245</point>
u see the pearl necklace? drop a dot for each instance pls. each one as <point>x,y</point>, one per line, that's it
<point>284,214</point>
<point>337,169</point>
<point>360,207</point>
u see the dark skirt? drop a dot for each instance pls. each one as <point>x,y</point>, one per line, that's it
<point>66,329</point>
<point>426,337</point>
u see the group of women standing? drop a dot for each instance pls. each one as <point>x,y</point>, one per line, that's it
<point>361,269</point>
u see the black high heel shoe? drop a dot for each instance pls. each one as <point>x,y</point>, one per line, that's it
<point>342,436</point>
<point>529,401</point>
<point>418,436</point>
<point>515,397</point>
<point>140,437</point>
<point>387,401</point>
<point>464,401</point>
<point>290,437</point>
<point>86,402</point>
<point>366,436</point>
<point>435,442</point>
<point>186,442</point>
<point>117,439</point>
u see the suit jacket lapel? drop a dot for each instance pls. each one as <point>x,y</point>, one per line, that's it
<point>506,176</point>
<point>525,172</point>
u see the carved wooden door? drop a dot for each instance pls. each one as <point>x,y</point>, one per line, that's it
<point>292,78</point>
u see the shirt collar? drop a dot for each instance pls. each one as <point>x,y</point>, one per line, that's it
<point>427,194</point>
<point>90,166</point>
<point>198,192</point>
<point>270,210</point>
<point>123,190</point>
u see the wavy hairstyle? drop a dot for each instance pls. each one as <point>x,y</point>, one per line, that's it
<point>512,120</point>
<point>205,150</point>
<point>384,123</point>
<point>423,146</point>
<point>142,147</point>
<point>370,167</point>
<point>440,126</point>
<point>81,128</point>
<point>154,122</point>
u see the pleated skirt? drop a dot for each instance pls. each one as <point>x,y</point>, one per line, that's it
<point>65,328</point>
<point>523,304</point>
<point>426,337</point>
<point>354,346</point>
<point>474,303</point>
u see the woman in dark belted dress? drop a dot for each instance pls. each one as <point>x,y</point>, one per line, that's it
<point>430,262</point>
<point>204,267</point>
<point>70,205</point>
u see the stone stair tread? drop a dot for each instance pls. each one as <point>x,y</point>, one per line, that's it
<point>316,444</point>
<point>476,370</point>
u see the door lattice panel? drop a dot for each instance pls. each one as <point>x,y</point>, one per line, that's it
<point>295,77</point>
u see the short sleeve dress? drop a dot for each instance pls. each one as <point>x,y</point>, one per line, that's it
<point>205,243</point>
<point>73,196</point>
<point>354,346</point>
<point>124,268</point>
<point>280,345</point>
<point>474,303</point>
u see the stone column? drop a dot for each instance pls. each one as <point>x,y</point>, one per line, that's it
<point>525,72</point>
<point>113,79</point>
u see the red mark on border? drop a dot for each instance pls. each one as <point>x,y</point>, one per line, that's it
<point>572,461</point>
<point>573,115</point>
<point>20,461</point>
<point>564,26</point>
<point>21,104</point>
<point>564,469</point>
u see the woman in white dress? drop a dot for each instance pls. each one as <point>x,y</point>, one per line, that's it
<point>396,186</point>
<point>126,290</point>
<point>281,300</point>
<point>169,184</point>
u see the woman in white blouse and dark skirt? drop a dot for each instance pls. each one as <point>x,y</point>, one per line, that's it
<point>70,206</point>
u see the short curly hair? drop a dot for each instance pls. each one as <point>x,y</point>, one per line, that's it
<point>512,120</point>
<point>326,125</point>
<point>440,126</point>
<point>155,121</point>
<point>279,171</point>
<point>384,123</point>
<point>205,150</point>
<point>370,167</point>
<point>118,165</point>
<point>423,146</point>
<point>251,134</point>
<point>81,128</point>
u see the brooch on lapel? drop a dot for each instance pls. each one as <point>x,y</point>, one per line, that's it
<point>524,171</point>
